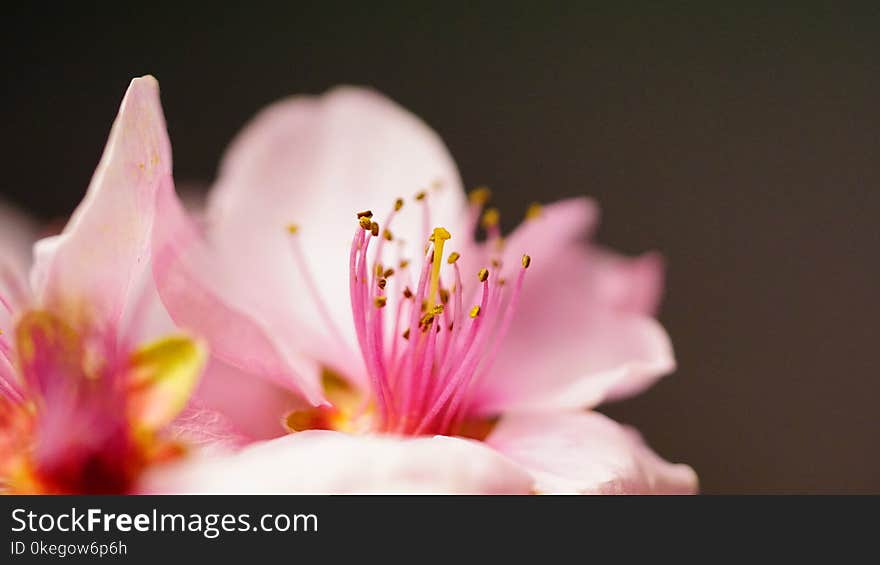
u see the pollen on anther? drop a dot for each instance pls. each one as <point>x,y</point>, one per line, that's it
<point>453,257</point>
<point>386,233</point>
<point>534,211</point>
<point>365,223</point>
<point>398,204</point>
<point>483,274</point>
<point>526,261</point>
<point>491,217</point>
<point>480,195</point>
<point>404,264</point>
<point>421,195</point>
<point>374,229</point>
<point>380,301</point>
<point>475,311</point>
<point>388,273</point>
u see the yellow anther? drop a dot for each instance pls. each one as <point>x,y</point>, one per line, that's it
<point>453,257</point>
<point>526,261</point>
<point>534,211</point>
<point>483,274</point>
<point>439,238</point>
<point>502,281</point>
<point>386,233</point>
<point>404,264</point>
<point>381,301</point>
<point>292,228</point>
<point>491,217</point>
<point>379,269</point>
<point>388,273</point>
<point>365,214</point>
<point>365,223</point>
<point>480,195</point>
<point>421,195</point>
<point>496,263</point>
<point>444,296</point>
<point>398,204</point>
<point>475,311</point>
<point>437,310</point>
<point>426,321</point>
<point>374,229</point>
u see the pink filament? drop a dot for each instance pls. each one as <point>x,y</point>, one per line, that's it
<point>420,382</point>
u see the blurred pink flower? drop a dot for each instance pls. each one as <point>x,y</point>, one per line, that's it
<point>395,364</point>
<point>82,409</point>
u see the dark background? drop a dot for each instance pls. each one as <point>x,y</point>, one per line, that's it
<point>740,142</point>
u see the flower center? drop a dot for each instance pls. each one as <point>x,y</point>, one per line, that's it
<point>426,334</point>
<point>76,417</point>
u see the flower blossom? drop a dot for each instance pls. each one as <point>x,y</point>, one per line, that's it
<point>83,407</point>
<point>395,351</point>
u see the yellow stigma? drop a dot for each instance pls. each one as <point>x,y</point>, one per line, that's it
<point>439,238</point>
<point>292,228</point>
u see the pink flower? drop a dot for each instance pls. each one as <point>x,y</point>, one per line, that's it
<point>82,408</point>
<point>399,352</point>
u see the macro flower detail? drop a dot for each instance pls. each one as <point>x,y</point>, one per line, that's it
<point>401,353</point>
<point>421,371</point>
<point>83,407</point>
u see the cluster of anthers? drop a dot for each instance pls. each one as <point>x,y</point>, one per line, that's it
<point>445,331</point>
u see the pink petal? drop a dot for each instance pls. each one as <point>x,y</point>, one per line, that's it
<point>190,285</point>
<point>315,162</point>
<point>587,453</point>
<point>88,269</point>
<point>207,431</point>
<point>249,402</point>
<point>579,336</point>
<point>630,284</point>
<point>334,463</point>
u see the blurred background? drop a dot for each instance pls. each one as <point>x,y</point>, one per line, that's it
<point>742,142</point>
